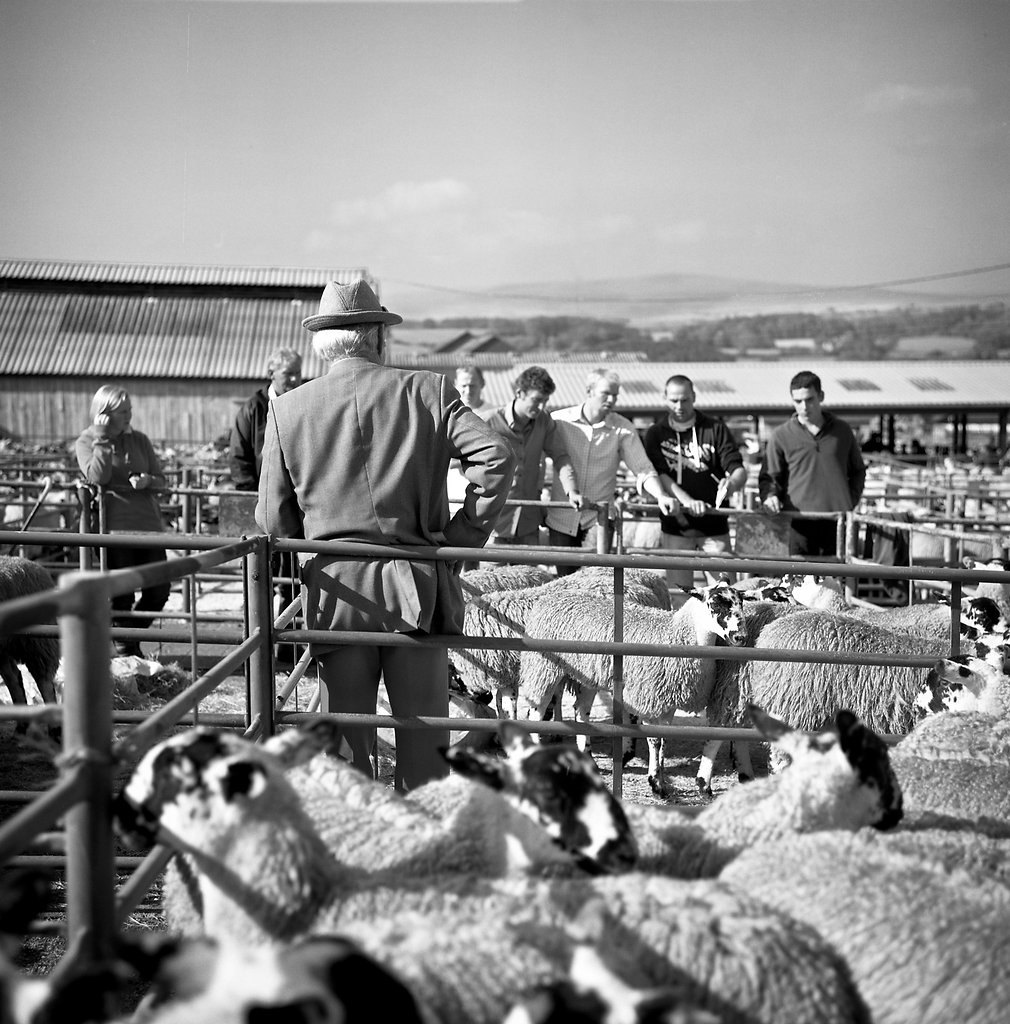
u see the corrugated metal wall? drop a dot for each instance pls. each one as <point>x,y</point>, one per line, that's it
<point>46,409</point>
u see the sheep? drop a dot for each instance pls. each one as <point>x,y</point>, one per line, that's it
<point>502,614</point>
<point>838,779</point>
<point>654,688</point>
<point>323,979</point>
<point>959,736</point>
<point>975,684</point>
<point>265,875</point>
<point>921,946</point>
<point>40,655</point>
<point>478,582</point>
<point>807,695</point>
<point>547,809</point>
<point>545,816</point>
<point>928,620</point>
<point>999,592</point>
<point>770,600</point>
<point>961,788</point>
<point>594,994</point>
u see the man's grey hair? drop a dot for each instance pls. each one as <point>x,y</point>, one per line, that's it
<point>610,376</point>
<point>342,343</point>
<point>283,357</point>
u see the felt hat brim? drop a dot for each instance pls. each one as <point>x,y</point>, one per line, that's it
<point>324,321</point>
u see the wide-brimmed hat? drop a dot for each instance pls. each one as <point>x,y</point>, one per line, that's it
<point>342,305</point>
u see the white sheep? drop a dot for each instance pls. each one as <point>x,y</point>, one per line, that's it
<point>466,946</point>
<point>478,582</point>
<point>655,688</point>
<point>999,592</point>
<point>922,946</point>
<point>544,813</point>
<point>727,707</point>
<point>807,695</point>
<point>838,779</point>
<point>960,788</point>
<point>594,994</point>
<point>959,736</point>
<point>976,684</point>
<point>502,614</point>
<point>40,655</point>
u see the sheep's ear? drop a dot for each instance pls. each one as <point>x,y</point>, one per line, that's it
<point>245,779</point>
<point>967,562</point>
<point>857,741</point>
<point>691,592</point>
<point>770,727</point>
<point>479,767</point>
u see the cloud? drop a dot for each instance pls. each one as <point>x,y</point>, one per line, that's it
<point>401,200</point>
<point>893,97</point>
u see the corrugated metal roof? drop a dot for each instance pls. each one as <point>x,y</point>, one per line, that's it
<point>762,387</point>
<point>173,274</point>
<point>66,334</point>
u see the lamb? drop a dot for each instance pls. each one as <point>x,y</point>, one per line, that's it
<point>922,946</point>
<point>265,875</point>
<point>655,688</point>
<point>40,655</point>
<point>839,779</point>
<point>502,614</point>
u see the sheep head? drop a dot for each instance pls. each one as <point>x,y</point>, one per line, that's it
<point>561,789</point>
<point>845,771</point>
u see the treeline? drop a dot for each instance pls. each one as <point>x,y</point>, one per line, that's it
<point>863,336</point>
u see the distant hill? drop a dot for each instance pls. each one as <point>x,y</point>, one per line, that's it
<point>657,299</point>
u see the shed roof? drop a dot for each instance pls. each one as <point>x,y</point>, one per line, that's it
<point>741,388</point>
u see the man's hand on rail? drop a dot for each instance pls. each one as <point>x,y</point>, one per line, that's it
<point>772,504</point>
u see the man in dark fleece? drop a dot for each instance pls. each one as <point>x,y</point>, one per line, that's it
<point>812,464</point>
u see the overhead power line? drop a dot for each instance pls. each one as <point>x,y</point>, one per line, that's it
<point>598,298</point>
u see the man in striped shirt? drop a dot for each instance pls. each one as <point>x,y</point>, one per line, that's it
<point>598,441</point>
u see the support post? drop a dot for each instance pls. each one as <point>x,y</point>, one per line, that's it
<point>259,593</point>
<point>87,742</point>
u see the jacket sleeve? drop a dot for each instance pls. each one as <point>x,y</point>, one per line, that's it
<point>774,475</point>
<point>94,456</point>
<point>727,448</point>
<point>856,471</point>
<point>277,510</point>
<point>488,463</point>
<point>242,451</point>
<point>554,446</point>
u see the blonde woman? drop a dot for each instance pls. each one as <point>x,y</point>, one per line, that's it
<point>122,461</point>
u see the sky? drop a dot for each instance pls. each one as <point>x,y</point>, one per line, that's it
<point>466,145</point>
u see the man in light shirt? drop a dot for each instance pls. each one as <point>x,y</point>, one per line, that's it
<point>598,441</point>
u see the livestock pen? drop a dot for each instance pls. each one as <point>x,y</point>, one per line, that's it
<point>90,752</point>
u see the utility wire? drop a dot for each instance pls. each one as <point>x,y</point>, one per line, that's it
<point>533,297</point>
